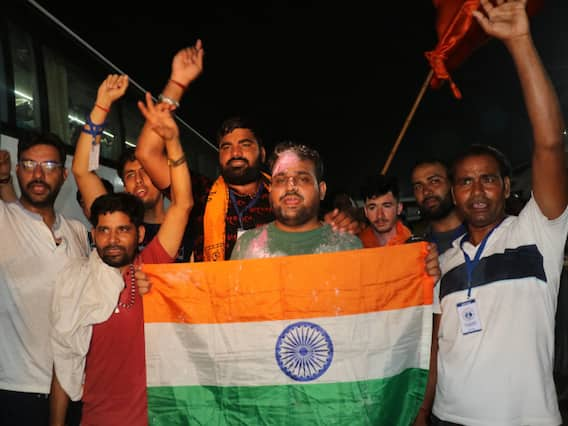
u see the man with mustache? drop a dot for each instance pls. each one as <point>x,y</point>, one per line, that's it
<point>36,243</point>
<point>238,199</point>
<point>431,186</point>
<point>295,195</point>
<point>382,209</point>
<point>498,292</point>
<point>114,390</point>
<point>432,189</point>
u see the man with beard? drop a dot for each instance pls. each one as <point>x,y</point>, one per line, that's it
<point>382,209</point>
<point>36,243</point>
<point>431,187</point>
<point>114,390</point>
<point>295,195</point>
<point>500,281</point>
<point>238,199</point>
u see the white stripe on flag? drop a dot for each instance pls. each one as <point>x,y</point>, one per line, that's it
<point>366,346</point>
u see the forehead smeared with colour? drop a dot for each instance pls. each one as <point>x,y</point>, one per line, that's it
<point>285,161</point>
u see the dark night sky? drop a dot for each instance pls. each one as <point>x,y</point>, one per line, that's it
<point>340,77</point>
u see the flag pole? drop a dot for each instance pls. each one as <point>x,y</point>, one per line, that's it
<point>408,119</point>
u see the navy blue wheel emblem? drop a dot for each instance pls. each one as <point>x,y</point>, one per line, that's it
<point>304,351</point>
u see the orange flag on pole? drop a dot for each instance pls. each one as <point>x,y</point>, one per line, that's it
<point>459,35</point>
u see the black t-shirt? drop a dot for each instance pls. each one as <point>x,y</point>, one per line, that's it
<point>258,214</point>
<point>186,247</point>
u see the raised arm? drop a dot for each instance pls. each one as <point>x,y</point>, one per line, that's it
<point>160,121</point>
<point>7,192</point>
<point>150,149</point>
<point>89,184</point>
<point>509,23</point>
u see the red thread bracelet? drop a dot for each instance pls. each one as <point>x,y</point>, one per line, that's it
<point>177,83</point>
<point>103,108</point>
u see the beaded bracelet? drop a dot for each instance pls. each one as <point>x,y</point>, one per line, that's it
<point>93,129</point>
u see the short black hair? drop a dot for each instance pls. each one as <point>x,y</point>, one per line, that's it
<point>239,122</point>
<point>431,160</point>
<point>32,138</point>
<point>304,152</point>
<point>107,184</point>
<point>123,202</point>
<point>129,154</point>
<point>479,149</point>
<point>379,185</point>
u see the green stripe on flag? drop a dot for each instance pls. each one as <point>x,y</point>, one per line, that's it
<point>390,401</point>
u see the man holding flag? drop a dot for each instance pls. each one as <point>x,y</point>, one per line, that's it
<point>335,336</point>
<point>500,281</point>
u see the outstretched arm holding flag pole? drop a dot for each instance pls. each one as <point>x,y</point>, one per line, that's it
<point>459,35</point>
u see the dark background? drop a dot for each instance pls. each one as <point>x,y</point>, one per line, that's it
<point>341,77</point>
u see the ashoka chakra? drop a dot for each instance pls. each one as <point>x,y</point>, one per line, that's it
<point>304,351</point>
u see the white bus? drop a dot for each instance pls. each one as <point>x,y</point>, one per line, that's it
<point>49,78</point>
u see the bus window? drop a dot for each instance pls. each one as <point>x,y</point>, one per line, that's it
<point>25,79</point>
<point>133,120</point>
<point>71,94</point>
<point>57,94</point>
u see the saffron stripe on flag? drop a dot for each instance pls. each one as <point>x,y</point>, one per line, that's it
<point>309,286</point>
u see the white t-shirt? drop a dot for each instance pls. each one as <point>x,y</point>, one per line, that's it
<point>29,263</point>
<point>502,375</point>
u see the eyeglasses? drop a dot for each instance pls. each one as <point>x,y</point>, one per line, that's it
<point>297,180</point>
<point>46,166</point>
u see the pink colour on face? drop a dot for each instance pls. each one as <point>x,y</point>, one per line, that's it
<point>285,161</point>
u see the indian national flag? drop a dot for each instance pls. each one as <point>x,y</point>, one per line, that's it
<point>329,339</point>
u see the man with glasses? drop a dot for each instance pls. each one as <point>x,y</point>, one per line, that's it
<point>295,195</point>
<point>35,245</point>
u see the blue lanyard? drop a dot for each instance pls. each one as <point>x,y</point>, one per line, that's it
<point>252,202</point>
<point>471,264</point>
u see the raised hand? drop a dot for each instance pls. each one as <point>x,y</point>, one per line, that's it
<point>159,118</point>
<point>342,221</point>
<point>111,89</point>
<point>506,20</point>
<point>5,165</point>
<point>188,63</point>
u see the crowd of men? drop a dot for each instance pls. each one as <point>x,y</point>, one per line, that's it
<point>71,325</point>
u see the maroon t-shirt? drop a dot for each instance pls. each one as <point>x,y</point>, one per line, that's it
<point>115,371</point>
